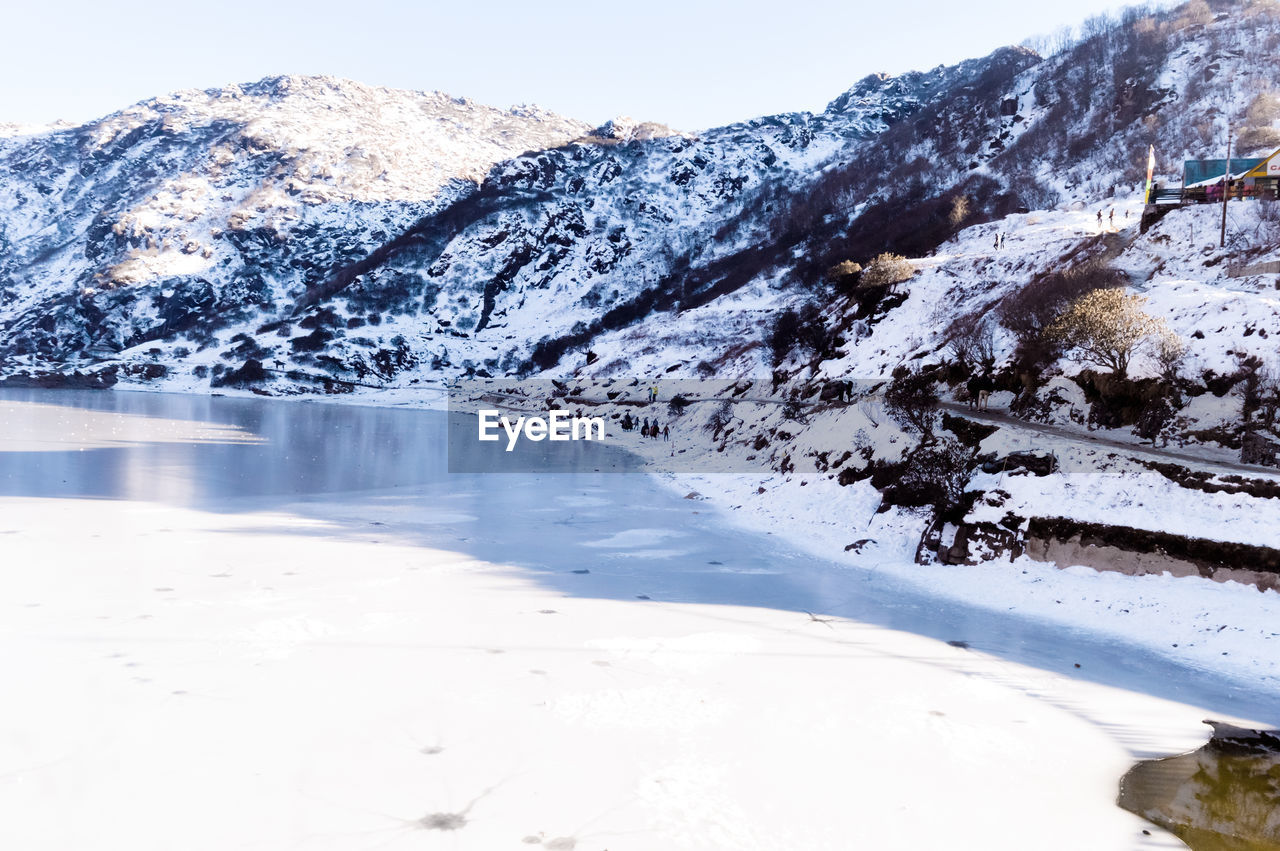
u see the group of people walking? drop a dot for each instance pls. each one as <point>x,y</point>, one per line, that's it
<point>647,429</point>
<point>1111,219</point>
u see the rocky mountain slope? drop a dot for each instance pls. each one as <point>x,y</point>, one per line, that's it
<point>203,209</point>
<point>355,234</point>
<point>317,206</point>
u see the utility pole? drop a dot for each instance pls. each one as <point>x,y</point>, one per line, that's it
<point>1226,191</point>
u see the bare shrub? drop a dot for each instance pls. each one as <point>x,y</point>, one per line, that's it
<point>1250,372</point>
<point>935,475</point>
<point>1259,121</point>
<point>1195,14</point>
<point>1154,419</point>
<point>1040,44</point>
<point>1107,328</point>
<point>1268,396</point>
<point>844,275</point>
<point>1263,9</point>
<point>805,329</point>
<point>886,270</point>
<point>1037,196</point>
<point>720,419</point>
<point>844,268</point>
<point>1063,38</point>
<point>1170,351</point>
<point>1259,138</point>
<point>1263,110</point>
<point>785,334</point>
<point>794,410</point>
<point>972,342</point>
<point>912,401</point>
<point>1030,310</point>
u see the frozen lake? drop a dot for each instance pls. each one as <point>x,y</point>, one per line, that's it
<point>635,537</point>
<point>276,536</point>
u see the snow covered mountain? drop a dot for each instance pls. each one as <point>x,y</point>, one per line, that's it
<point>854,280</point>
<point>310,233</point>
<point>456,237</point>
<point>356,234</point>
<point>202,209</point>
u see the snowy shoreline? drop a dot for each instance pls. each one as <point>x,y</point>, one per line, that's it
<point>1224,627</point>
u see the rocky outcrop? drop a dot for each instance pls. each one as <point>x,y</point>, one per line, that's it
<point>1258,449</point>
<point>967,543</point>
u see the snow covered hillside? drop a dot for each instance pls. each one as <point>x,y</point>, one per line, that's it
<point>156,237</point>
<point>344,233</point>
<point>203,208</point>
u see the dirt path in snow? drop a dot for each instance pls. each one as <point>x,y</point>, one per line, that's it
<point>1059,433</point>
<point>1101,439</point>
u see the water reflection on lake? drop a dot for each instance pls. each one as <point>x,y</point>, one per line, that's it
<point>1223,797</point>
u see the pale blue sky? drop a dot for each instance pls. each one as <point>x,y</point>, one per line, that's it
<point>688,63</point>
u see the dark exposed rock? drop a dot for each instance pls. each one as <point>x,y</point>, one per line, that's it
<point>1039,465</point>
<point>100,379</point>
<point>1258,449</point>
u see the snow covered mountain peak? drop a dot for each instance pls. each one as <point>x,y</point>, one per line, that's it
<point>203,209</point>
<point>187,188</point>
<point>624,128</point>
<point>878,100</point>
<point>343,140</point>
<point>13,128</point>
